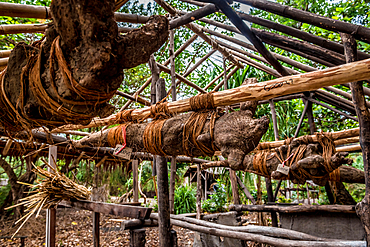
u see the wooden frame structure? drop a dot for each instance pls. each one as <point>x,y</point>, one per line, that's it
<point>324,52</point>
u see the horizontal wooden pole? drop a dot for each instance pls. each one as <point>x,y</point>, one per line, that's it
<point>278,242</point>
<point>22,28</point>
<point>5,53</point>
<point>112,209</point>
<point>355,71</point>
<point>349,209</point>
<point>43,12</point>
<point>347,140</point>
<point>181,78</point>
<point>359,32</point>
<point>4,62</point>
<point>349,148</point>
<point>343,134</point>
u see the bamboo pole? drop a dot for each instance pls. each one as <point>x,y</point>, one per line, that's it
<point>264,90</point>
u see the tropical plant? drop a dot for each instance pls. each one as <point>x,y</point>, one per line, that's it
<point>185,199</point>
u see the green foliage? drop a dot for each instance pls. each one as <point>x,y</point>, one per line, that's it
<point>282,199</point>
<point>185,199</point>
<point>217,201</point>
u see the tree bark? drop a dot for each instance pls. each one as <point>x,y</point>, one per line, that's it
<point>95,56</point>
<point>235,135</point>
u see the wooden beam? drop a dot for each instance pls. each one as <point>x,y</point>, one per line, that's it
<point>331,108</point>
<point>348,209</point>
<point>5,53</point>
<point>136,98</point>
<point>181,78</point>
<point>146,84</point>
<point>294,32</point>
<point>260,91</point>
<point>22,28</point>
<point>334,135</point>
<point>192,16</point>
<point>359,32</point>
<point>293,45</point>
<point>112,209</point>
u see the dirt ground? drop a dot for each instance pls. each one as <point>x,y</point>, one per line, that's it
<point>74,228</point>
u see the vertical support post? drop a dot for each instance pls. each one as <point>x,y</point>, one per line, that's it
<point>302,117</point>
<point>172,185</point>
<point>363,114</point>
<point>135,167</point>
<point>162,183</point>
<point>199,192</point>
<point>234,187</point>
<point>51,213</point>
<point>174,238</point>
<point>172,61</point>
<point>274,119</point>
<point>310,118</point>
<point>153,97</point>
<point>270,198</point>
<point>205,185</point>
<point>96,229</point>
<point>137,238</point>
<point>225,79</point>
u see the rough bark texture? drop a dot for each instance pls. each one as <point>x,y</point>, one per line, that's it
<point>363,114</point>
<point>94,51</point>
<point>312,162</point>
<point>235,134</point>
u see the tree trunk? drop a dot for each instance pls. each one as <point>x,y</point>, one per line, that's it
<point>70,75</point>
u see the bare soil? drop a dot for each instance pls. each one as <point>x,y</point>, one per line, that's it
<point>74,228</point>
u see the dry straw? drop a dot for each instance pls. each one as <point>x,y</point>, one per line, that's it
<point>51,189</point>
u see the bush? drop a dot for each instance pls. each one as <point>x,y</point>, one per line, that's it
<point>185,199</point>
<point>217,201</point>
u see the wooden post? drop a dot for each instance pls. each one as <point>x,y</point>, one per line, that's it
<point>274,119</point>
<point>302,117</point>
<point>173,90</point>
<point>234,186</point>
<point>205,185</point>
<point>270,197</point>
<point>137,238</point>
<point>172,185</point>
<point>172,60</point>
<point>363,114</point>
<point>164,226</point>
<point>135,167</point>
<point>153,99</point>
<point>310,118</point>
<point>96,229</point>
<point>199,192</point>
<point>51,213</point>
<point>174,238</point>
